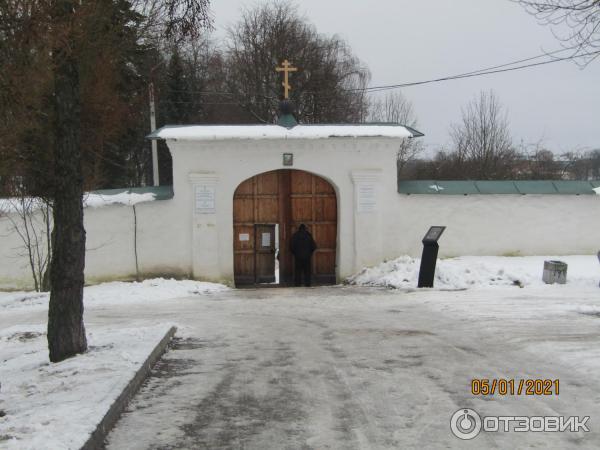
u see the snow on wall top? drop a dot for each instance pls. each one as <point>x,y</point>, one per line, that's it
<point>94,199</point>
<point>223,132</point>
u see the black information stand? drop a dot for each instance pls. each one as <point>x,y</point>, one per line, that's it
<point>429,257</point>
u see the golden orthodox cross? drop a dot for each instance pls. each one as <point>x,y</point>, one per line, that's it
<point>286,69</point>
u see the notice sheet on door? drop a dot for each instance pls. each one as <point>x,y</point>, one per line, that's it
<point>266,240</point>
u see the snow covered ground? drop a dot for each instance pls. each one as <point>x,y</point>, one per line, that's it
<point>332,367</point>
<point>477,272</point>
<point>56,406</point>
<point>117,293</point>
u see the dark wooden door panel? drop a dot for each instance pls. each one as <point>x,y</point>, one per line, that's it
<point>243,210</point>
<point>267,210</point>
<point>323,186</point>
<point>325,236</point>
<point>288,198</point>
<point>267,183</point>
<point>301,182</point>
<point>325,209</point>
<point>302,209</point>
<point>243,263</point>
<point>314,203</point>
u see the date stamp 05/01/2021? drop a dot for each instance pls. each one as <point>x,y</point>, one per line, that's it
<point>467,423</point>
<point>504,386</point>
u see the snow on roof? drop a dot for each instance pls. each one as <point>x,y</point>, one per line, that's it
<point>222,132</point>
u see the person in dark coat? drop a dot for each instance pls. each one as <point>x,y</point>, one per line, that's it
<point>302,247</point>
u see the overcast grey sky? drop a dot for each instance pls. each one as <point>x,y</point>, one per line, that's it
<point>411,40</point>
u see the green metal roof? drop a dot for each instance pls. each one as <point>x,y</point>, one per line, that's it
<point>516,187</point>
<point>160,192</point>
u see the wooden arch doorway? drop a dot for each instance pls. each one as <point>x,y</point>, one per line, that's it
<point>267,209</point>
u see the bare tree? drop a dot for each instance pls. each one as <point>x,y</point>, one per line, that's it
<point>327,87</point>
<point>581,165</point>
<point>542,164</point>
<point>31,219</point>
<point>482,144</point>
<point>396,108</point>
<point>581,17</point>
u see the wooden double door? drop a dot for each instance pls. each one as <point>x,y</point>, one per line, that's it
<point>282,200</point>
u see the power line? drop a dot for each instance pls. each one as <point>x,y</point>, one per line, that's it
<point>473,74</point>
<point>501,68</point>
<point>541,55</point>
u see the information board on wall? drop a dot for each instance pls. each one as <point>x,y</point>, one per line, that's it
<point>204,196</point>
<point>367,197</point>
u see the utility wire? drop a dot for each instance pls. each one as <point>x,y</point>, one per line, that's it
<point>507,67</point>
<point>473,74</point>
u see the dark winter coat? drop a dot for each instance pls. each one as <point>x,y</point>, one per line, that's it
<point>302,245</point>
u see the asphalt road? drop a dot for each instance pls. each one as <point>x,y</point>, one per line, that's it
<point>357,368</point>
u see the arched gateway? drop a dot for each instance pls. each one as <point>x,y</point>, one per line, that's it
<point>267,210</point>
<point>241,190</point>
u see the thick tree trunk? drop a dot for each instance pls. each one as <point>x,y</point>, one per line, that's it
<point>66,332</point>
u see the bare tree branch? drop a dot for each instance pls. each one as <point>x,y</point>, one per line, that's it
<point>581,17</point>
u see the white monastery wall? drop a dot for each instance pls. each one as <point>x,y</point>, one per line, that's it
<point>112,238</point>
<point>495,224</point>
<point>173,239</point>
<point>110,245</point>
<point>14,271</point>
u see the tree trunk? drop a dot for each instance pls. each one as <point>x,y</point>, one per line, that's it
<point>66,332</point>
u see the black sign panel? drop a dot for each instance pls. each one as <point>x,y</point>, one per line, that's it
<point>433,234</point>
<point>429,257</point>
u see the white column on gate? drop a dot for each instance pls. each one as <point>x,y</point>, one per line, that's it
<point>205,237</point>
<point>367,217</point>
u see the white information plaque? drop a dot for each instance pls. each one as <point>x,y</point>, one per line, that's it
<point>244,237</point>
<point>367,197</point>
<point>204,196</point>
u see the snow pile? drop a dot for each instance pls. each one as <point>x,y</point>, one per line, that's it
<point>152,290</point>
<point>119,292</point>
<point>479,272</point>
<point>57,406</point>
<point>16,205</point>
<point>124,198</point>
